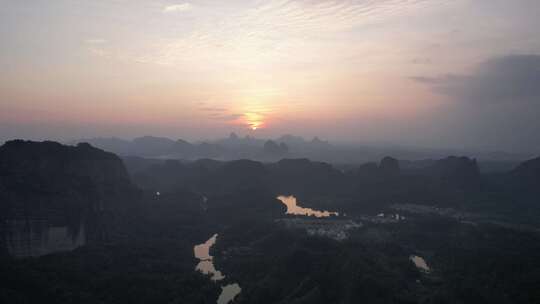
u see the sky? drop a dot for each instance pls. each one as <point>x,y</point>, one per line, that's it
<point>461,74</point>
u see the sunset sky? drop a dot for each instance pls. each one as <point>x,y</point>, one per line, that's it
<point>461,74</point>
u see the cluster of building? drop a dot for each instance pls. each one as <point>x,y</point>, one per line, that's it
<point>336,229</point>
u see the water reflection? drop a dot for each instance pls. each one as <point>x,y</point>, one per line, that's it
<point>207,267</point>
<point>206,264</point>
<point>202,251</point>
<point>293,208</point>
<point>228,293</point>
<point>420,263</point>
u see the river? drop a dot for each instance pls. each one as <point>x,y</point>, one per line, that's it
<point>293,208</point>
<point>206,266</point>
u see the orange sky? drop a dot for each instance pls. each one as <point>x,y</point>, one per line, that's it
<point>341,69</point>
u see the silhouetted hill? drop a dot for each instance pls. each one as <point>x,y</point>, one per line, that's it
<point>291,140</point>
<point>367,170</point>
<point>208,150</point>
<point>524,180</point>
<point>235,147</point>
<point>240,174</point>
<point>389,166</point>
<point>304,176</point>
<point>528,171</point>
<point>152,146</point>
<point>181,147</point>
<point>272,150</point>
<point>459,172</point>
<point>46,184</point>
<point>51,167</point>
<point>112,144</point>
<point>135,164</point>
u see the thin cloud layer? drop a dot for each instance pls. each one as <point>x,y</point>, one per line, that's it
<point>94,41</point>
<point>176,8</point>
<point>269,31</point>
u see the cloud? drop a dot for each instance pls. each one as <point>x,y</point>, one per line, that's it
<point>218,113</point>
<point>271,32</point>
<point>229,117</point>
<point>176,8</point>
<point>440,80</point>
<point>213,109</point>
<point>513,78</point>
<point>95,41</point>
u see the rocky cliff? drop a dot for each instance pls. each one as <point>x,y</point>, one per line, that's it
<point>50,191</point>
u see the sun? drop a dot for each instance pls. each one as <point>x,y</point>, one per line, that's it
<point>254,120</point>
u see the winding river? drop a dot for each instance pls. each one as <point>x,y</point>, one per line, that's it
<point>293,208</point>
<point>206,266</point>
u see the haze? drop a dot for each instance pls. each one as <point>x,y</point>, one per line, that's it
<point>460,74</point>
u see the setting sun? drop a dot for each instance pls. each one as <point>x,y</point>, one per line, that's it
<point>254,120</point>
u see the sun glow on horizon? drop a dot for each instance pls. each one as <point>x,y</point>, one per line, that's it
<point>254,120</point>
